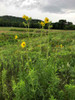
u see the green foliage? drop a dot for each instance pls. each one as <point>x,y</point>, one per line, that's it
<point>63,24</point>
<point>52,98</point>
<point>4,86</point>
<point>70,91</point>
<point>7,39</point>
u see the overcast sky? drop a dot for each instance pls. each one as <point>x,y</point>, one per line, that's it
<point>53,9</point>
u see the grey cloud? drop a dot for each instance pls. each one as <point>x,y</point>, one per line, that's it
<point>52,6</point>
<point>57,6</point>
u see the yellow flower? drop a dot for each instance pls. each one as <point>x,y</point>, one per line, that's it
<point>61,45</point>
<point>24,16</point>
<point>46,20</point>
<point>16,36</point>
<point>23,44</point>
<point>42,23</point>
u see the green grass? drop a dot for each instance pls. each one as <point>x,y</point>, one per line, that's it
<point>43,70</point>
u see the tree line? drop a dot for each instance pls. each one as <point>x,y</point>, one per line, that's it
<point>11,21</point>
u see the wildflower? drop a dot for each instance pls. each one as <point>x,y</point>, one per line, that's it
<point>42,23</point>
<point>61,45</point>
<point>24,16</point>
<point>16,36</point>
<point>23,44</point>
<point>46,20</point>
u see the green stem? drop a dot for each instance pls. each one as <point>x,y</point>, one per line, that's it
<point>48,44</point>
<point>40,40</point>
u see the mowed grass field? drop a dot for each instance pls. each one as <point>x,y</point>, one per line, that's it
<point>43,70</point>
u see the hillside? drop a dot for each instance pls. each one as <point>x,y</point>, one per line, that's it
<point>15,21</point>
